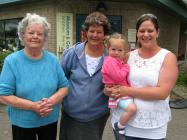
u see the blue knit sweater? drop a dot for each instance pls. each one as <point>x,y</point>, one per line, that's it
<point>33,80</point>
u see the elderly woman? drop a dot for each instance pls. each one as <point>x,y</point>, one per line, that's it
<point>32,84</point>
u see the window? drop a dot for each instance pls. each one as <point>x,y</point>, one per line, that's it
<point>8,35</point>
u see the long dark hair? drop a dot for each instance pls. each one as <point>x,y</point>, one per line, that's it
<point>145,17</point>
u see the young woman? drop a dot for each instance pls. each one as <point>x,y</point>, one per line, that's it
<point>152,76</point>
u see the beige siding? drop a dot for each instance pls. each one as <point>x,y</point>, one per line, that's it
<point>170,26</point>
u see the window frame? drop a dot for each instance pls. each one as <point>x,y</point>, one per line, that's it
<point>8,35</point>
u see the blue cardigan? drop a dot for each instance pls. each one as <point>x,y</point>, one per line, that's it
<point>33,80</point>
<point>85,100</point>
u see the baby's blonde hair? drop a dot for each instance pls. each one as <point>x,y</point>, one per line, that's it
<point>107,39</point>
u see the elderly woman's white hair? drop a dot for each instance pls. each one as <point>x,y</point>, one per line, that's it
<point>30,19</point>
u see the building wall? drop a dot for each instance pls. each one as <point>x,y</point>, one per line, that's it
<point>46,9</point>
<point>169,25</point>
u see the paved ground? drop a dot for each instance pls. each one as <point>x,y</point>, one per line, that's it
<point>177,129</point>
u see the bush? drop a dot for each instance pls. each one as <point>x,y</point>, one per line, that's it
<point>3,54</point>
<point>182,79</point>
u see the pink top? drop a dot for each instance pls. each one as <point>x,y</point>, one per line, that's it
<point>115,71</point>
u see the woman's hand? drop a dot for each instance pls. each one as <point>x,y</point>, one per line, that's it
<point>46,107</point>
<point>117,92</point>
<point>43,107</point>
<point>113,91</point>
<point>107,90</point>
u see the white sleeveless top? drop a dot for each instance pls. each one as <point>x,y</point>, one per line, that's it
<point>151,114</point>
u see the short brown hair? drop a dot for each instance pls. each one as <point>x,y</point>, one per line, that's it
<point>97,18</point>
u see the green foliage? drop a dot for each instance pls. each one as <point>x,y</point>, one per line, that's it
<point>182,79</point>
<point>3,54</point>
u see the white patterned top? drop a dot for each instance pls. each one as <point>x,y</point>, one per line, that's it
<point>151,114</point>
<point>145,73</point>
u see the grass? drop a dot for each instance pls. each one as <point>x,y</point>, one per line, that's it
<point>182,79</point>
<point>3,54</point>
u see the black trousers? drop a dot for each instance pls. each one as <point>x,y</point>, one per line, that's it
<point>71,129</point>
<point>47,132</point>
<point>123,137</point>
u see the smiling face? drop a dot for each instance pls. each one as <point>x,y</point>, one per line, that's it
<point>95,35</point>
<point>117,48</point>
<point>147,34</point>
<point>33,37</point>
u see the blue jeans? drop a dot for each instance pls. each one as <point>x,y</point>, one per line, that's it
<point>123,137</point>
